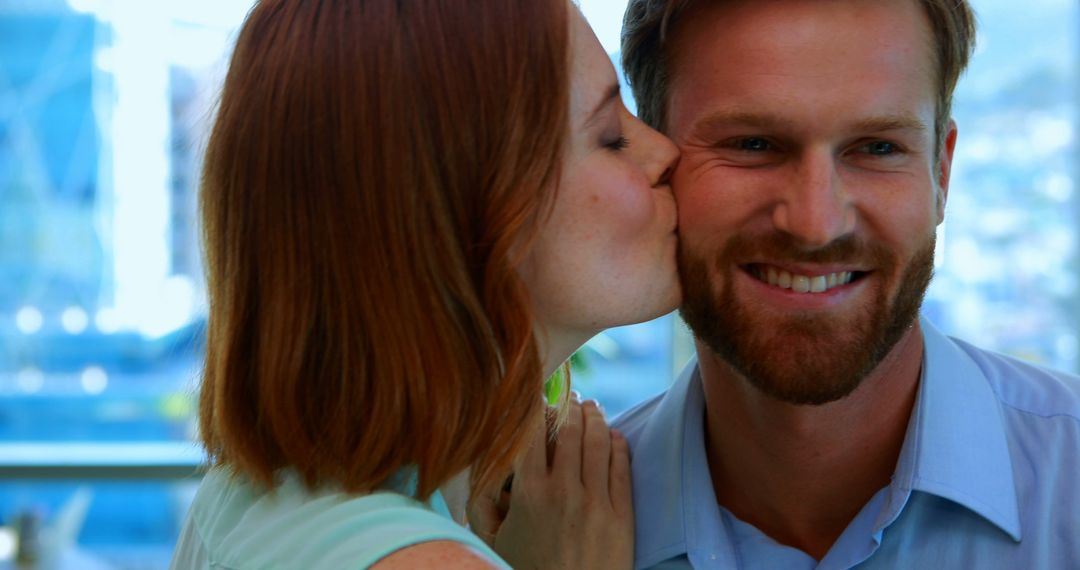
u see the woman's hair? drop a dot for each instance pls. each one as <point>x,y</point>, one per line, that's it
<point>376,170</point>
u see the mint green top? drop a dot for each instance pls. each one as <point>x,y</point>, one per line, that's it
<point>232,525</point>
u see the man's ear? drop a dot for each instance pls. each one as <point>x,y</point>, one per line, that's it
<point>944,169</point>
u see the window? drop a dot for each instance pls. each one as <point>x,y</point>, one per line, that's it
<point>103,109</point>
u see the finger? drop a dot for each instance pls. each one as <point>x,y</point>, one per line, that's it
<point>622,497</point>
<point>502,503</point>
<point>567,459</point>
<point>483,522</point>
<point>483,514</point>
<point>533,464</point>
<point>595,451</point>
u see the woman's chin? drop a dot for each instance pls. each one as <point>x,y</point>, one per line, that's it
<point>658,304</point>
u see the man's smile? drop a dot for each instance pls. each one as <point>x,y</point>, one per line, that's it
<point>801,281</point>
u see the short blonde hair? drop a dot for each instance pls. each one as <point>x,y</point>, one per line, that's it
<point>646,59</point>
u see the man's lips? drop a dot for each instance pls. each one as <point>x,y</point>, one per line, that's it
<point>804,280</point>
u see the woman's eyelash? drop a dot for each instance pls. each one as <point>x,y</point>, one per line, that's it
<point>618,144</point>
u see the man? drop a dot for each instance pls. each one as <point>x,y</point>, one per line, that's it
<point>824,425</point>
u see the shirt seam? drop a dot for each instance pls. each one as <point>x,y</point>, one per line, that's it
<point>966,495</point>
<point>658,555</point>
<point>211,559</point>
<point>1017,408</point>
<point>1001,399</point>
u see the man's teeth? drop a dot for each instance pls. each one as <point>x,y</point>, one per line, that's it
<point>803,283</point>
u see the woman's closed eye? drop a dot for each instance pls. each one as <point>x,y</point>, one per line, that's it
<point>618,143</point>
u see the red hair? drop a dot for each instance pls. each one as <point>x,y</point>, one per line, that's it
<point>375,171</point>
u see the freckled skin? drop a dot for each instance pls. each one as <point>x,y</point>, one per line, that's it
<point>606,255</point>
<point>435,554</point>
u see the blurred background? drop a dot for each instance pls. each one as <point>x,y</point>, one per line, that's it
<point>105,106</point>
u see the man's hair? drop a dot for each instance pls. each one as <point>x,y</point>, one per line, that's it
<point>648,24</point>
<point>375,173</point>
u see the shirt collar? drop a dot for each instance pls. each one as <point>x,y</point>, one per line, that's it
<point>675,508</point>
<point>956,446</point>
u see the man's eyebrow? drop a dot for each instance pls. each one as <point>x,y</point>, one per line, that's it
<point>891,123</point>
<point>611,93</point>
<point>728,118</point>
<point>765,120</point>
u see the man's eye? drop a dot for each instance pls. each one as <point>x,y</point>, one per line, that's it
<point>880,148</point>
<point>753,144</point>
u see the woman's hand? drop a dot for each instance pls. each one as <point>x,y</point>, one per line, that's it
<point>567,509</point>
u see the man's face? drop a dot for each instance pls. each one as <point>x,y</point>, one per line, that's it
<point>809,191</point>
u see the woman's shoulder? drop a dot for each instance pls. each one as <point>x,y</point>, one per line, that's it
<point>293,527</point>
<point>436,554</point>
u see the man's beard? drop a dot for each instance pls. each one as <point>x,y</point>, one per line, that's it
<point>811,357</point>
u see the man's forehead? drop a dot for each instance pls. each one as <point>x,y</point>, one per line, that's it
<point>743,59</point>
<point>743,27</point>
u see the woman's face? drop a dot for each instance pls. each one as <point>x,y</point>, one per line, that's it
<point>606,255</point>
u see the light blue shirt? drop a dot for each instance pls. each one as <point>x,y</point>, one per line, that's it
<point>988,477</point>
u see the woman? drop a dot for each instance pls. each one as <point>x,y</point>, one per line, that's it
<point>414,212</point>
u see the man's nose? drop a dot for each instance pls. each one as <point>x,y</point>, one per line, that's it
<point>814,207</point>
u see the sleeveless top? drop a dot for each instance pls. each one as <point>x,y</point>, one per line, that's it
<point>234,525</point>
